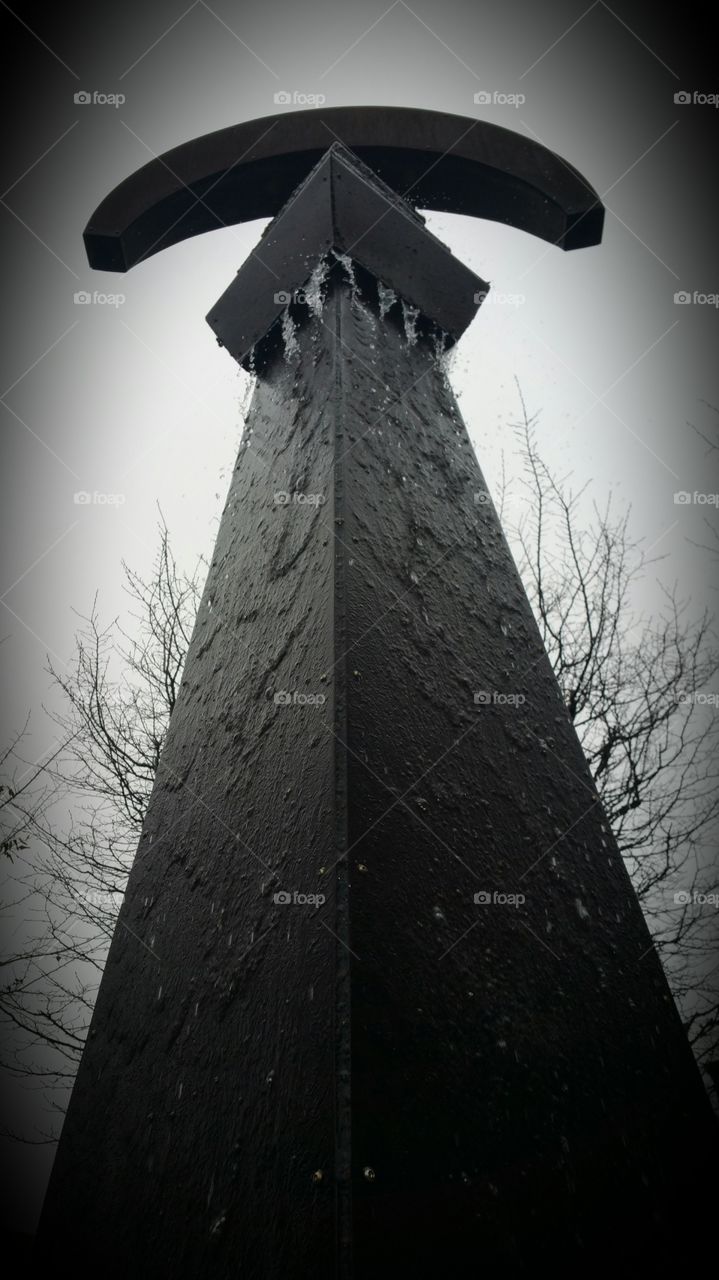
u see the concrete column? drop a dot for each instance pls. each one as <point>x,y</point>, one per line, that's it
<point>381,1001</point>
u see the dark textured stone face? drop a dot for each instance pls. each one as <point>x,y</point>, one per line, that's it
<point>381,1002</point>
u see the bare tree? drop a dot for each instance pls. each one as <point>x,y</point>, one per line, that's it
<point>631,685</point>
<point>636,689</point>
<point>78,837</point>
<point>15,792</point>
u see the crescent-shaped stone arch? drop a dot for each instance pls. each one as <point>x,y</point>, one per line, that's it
<point>435,160</point>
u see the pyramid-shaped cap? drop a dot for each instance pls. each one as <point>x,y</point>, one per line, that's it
<point>343,206</point>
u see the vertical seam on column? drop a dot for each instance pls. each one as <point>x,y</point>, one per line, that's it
<point>343,1083</point>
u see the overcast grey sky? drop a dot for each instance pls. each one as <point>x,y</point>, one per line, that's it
<point>137,400</point>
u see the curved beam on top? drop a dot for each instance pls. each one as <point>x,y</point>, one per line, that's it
<point>437,161</point>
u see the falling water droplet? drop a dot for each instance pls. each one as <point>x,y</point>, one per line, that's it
<point>439,342</point>
<point>387,299</point>
<point>348,265</point>
<point>289,336</point>
<point>314,296</point>
<point>410,316</point>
